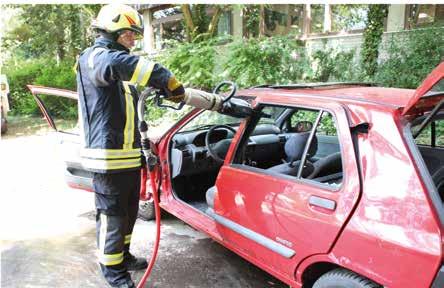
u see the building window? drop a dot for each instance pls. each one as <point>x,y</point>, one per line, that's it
<point>337,18</point>
<point>167,24</point>
<point>283,19</point>
<point>422,15</point>
<point>347,18</point>
<point>224,25</point>
<point>317,19</point>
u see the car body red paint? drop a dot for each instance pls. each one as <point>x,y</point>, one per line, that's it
<point>386,224</point>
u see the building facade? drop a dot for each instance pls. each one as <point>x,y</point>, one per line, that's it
<point>320,26</point>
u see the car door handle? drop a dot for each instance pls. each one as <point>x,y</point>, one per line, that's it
<point>322,202</point>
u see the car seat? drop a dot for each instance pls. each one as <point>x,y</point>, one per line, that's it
<point>330,164</point>
<point>294,148</point>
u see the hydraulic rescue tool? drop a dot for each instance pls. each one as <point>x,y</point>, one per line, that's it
<point>199,99</point>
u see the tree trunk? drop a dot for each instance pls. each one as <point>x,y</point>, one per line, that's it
<point>288,20</point>
<point>189,25</point>
<point>60,34</point>
<point>214,21</point>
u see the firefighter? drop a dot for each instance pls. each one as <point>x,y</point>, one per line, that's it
<point>106,78</point>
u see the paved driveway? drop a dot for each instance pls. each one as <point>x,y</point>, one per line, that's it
<point>48,232</point>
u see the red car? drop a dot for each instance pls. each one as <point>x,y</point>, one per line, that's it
<point>330,185</point>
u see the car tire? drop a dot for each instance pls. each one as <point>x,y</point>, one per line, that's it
<point>341,278</point>
<point>146,210</point>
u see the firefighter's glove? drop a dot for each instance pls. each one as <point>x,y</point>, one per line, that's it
<point>175,91</point>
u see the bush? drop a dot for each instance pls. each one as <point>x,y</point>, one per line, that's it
<point>46,73</point>
<point>276,60</point>
<point>333,65</point>
<point>22,101</point>
<point>411,57</point>
<point>192,63</point>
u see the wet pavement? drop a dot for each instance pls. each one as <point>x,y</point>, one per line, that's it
<point>48,232</point>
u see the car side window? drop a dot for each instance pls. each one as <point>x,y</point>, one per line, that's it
<point>308,150</point>
<point>432,135</point>
<point>326,126</point>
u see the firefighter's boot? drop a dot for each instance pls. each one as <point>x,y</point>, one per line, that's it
<point>134,263</point>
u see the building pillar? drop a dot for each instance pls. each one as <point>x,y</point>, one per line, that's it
<point>396,17</point>
<point>306,29</point>
<point>148,33</point>
<point>327,18</point>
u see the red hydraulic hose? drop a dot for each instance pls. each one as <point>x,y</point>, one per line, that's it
<point>155,190</point>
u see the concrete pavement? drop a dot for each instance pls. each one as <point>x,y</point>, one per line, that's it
<point>48,232</point>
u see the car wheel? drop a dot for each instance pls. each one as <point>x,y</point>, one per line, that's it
<point>146,210</point>
<point>341,278</point>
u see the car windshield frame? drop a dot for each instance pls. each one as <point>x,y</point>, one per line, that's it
<point>215,119</point>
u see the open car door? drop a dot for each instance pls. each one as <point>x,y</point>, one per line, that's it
<point>75,175</point>
<point>429,94</point>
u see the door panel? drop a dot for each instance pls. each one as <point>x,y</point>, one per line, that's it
<point>271,210</point>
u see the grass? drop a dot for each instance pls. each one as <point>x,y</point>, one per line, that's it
<point>31,125</point>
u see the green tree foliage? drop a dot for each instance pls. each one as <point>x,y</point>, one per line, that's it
<point>411,57</point>
<point>59,31</point>
<point>275,60</point>
<point>45,72</point>
<point>250,62</point>
<point>348,16</point>
<point>251,19</point>
<point>372,37</point>
<point>198,24</point>
<point>333,65</point>
<point>193,63</point>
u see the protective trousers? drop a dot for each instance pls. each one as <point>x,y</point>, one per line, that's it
<point>117,204</point>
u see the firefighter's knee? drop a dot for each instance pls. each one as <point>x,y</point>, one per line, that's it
<point>109,204</point>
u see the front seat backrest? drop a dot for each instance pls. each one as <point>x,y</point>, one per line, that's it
<point>294,146</point>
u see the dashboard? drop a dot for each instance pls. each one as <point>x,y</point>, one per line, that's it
<point>216,136</point>
<point>189,154</point>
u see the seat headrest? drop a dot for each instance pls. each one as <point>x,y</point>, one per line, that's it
<point>294,147</point>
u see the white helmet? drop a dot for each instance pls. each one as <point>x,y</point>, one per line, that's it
<point>117,17</point>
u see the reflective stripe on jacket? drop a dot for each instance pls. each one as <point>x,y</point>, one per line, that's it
<point>106,79</point>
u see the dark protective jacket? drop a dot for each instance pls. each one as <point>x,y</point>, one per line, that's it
<point>106,75</point>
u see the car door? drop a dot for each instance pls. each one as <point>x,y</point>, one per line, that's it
<point>277,220</point>
<point>69,141</point>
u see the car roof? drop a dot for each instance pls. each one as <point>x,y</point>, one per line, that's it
<point>394,97</point>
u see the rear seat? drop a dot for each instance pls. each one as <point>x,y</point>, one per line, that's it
<point>327,145</point>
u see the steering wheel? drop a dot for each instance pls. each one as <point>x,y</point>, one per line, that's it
<point>219,148</point>
<point>226,83</point>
